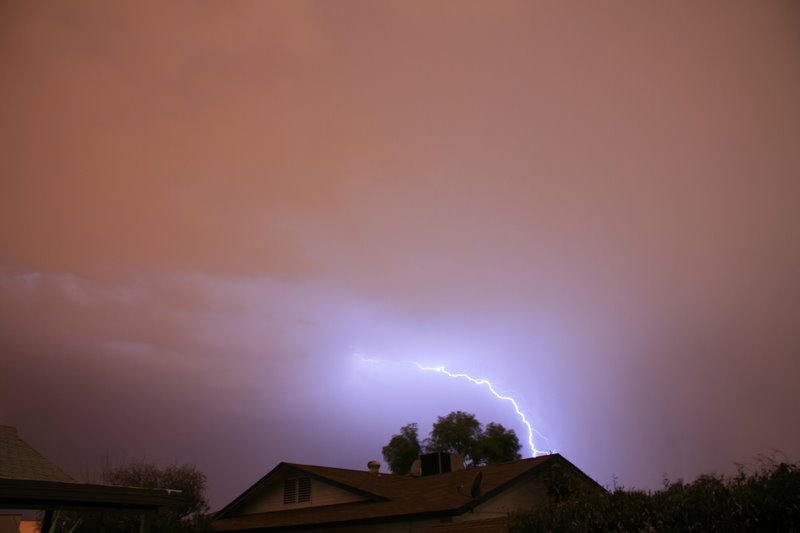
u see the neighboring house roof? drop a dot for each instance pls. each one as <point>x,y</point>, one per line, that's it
<point>387,497</point>
<point>18,460</point>
<point>29,481</point>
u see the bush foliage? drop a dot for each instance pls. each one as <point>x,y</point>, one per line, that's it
<point>765,500</point>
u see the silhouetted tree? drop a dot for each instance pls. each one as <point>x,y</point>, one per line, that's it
<point>402,450</point>
<point>458,432</point>
<point>496,444</point>
<point>192,516</point>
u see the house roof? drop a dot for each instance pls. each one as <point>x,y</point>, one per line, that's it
<point>29,481</point>
<point>18,460</point>
<point>32,494</point>
<point>388,497</point>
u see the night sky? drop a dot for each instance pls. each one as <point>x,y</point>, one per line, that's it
<point>209,210</point>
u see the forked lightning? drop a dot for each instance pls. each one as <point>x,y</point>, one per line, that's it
<point>476,381</point>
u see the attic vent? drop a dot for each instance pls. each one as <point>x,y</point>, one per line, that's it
<point>290,491</point>
<point>297,490</point>
<point>304,489</point>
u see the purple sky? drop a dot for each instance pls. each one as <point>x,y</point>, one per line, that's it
<point>206,209</point>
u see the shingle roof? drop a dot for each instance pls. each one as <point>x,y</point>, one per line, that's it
<point>18,460</point>
<point>389,496</point>
<point>29,481</point>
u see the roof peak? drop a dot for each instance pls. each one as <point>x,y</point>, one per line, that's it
<point>20,460</point>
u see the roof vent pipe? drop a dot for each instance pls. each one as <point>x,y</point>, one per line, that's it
<point>374,466</point>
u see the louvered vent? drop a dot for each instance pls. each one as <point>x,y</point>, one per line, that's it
<point>289,491</point>
<point>297,490</point>
<point>304,489</point>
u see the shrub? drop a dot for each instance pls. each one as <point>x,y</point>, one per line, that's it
<point>766,500</point>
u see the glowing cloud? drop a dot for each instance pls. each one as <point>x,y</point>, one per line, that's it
<point>476,381</point>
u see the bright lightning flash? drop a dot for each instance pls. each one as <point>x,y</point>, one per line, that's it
<point>476,381</point>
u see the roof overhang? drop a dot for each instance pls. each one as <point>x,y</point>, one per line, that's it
<point>44,495</point>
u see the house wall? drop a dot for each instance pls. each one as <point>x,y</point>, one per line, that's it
<point>416,526</point>
<point>556,482</point>
<point>9,523</point>
<point>525,495</point>
<point>30,526</point>
<point>271,498</point>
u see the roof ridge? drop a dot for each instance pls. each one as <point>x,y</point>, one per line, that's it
<point>20,460</point>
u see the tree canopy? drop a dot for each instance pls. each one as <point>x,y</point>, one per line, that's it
<point>192,516</point>
<point>496,444</point>
<point>403,449</point>
<point>186,478</point>
<point>457,432</point>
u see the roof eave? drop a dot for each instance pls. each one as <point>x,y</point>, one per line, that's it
<point>219,525</point>
<point>34,494</point>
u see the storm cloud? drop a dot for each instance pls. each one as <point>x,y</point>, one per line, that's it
<point>207,210</point>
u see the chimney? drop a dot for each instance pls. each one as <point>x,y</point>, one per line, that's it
<point>374,466</point>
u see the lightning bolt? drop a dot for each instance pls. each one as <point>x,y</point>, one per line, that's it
<point>480,382</point>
